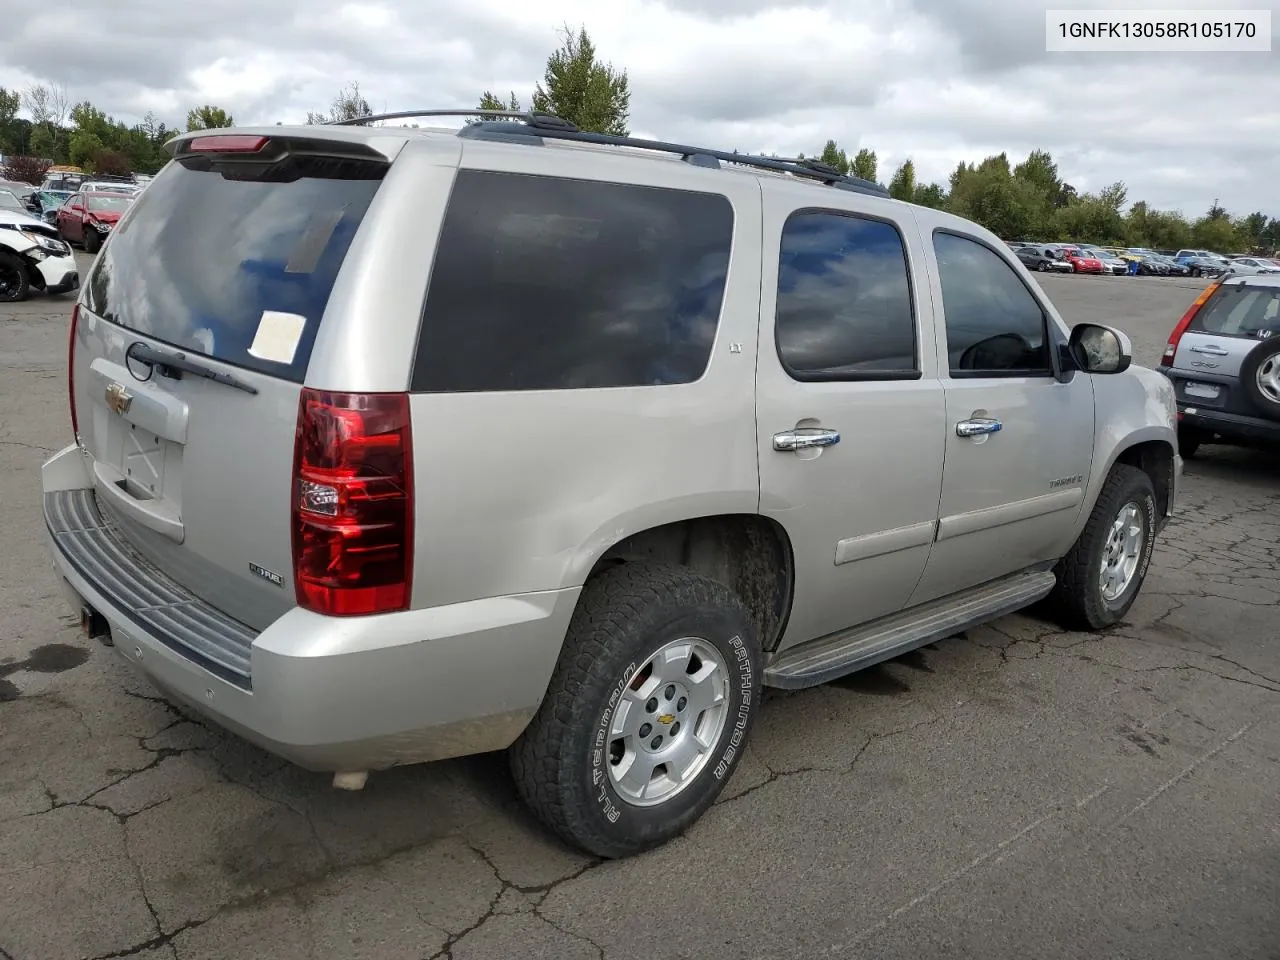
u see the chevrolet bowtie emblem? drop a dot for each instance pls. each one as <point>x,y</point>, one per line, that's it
<point>118,398</point>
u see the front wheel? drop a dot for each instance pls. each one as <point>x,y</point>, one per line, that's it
<point>1041,266</point>
<point>92,240</point>
<point>1099,579</point>
<point>15,285</point>
<point>647,713</point>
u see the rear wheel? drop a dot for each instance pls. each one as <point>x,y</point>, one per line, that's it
<point>15,285</point>
<point>1101,576</point>
<point>92,240</point>
<point>647,713</point>
<point>1260,377</point>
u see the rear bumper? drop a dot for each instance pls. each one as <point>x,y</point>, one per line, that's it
<point>1230,426</point>
<point>332,694</point>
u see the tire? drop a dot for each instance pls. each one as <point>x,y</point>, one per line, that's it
<point>566,766</point>
<point>1195,271</point>
<point>15,285</point>
<point>1260,377</point>
<point>92,240</point>
<point>1078,599</point>
<point>1041,266</point>
<point>1189,441</point>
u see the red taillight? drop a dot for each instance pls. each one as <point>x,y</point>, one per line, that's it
<point>226,143</point>
<point>71,371</point>
<point>353,503</point>
<point>1171,349</point>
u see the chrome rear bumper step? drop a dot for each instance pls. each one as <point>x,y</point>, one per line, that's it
<point>827,658</point>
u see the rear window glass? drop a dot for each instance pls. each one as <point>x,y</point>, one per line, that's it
<point>201,260</point>
<point>542,283</point>
<point>1239,311</point>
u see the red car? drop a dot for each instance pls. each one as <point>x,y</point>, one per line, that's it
<point>1081,263</point>
<point>88,218</point>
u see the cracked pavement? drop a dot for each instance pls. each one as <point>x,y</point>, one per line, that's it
<point>1017,791</point>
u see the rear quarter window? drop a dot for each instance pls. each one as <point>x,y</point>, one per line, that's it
<point>544,283</point>
<point>201,258</point>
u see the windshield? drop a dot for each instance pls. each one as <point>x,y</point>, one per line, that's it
<point>116,204</point>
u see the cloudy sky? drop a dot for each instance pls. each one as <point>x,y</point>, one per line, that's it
<point>934,80</point>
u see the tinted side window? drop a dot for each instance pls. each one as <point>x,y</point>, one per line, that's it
<point>995,327</point>
<point>844,300</point>
<point>542,283</point>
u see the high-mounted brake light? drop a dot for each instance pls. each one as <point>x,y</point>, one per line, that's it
<point>1171,348</point>
<point>353,503</point>
<point>227,143</point>
<point>71,371</point>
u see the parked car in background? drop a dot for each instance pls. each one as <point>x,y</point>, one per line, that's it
<point>1223,358</point>
<point>10,201</point>
<point>1250,266</point>
<point>1200,254</point>
<point>1150,265</point>
<point>1175,269</point>
<point>20,190</point>
<point>44,204</point>
<point>113,185</point>
<point>1039,260</point>
<point>88,218</point>
<point>1082,262</point>
<point>1200,266</point>
<point>1112,264</point>
<point>31,256</point>
<point>62,181</point>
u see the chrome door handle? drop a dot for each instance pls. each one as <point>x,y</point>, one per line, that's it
<point>802,438</point>
<point>1212,350</point>
<point>978,427</point>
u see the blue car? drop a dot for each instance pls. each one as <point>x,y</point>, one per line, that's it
<point>44,204</point>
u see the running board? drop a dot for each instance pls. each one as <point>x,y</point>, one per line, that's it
<point>838,654</point>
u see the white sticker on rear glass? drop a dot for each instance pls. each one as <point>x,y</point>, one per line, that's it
<point>277,337</point>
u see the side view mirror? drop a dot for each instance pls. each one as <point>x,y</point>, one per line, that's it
<point>1099,349</point>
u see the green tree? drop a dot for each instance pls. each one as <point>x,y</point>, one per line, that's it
<point>42,143</point>
<point>10,101</point>
<point>1215,233</point>
<point>579,88</point>
<point>864,165</point>
<point>84,146</point>
<point>931,195</point>
<point>834,157</point>
<point>208,117</point>
<point>1251,230</point>
<point>1039,171</point>
<point>902,185</point>
<point>491,101</point>
<point>347,105</point>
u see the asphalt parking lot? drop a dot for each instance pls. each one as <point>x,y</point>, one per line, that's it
<point>1017,792</point>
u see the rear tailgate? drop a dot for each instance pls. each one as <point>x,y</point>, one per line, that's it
<point>1206,366</point>
<point>223,267</point>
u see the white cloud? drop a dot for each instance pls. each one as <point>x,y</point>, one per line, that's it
<point>939,81</point>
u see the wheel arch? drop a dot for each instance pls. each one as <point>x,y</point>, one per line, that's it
<point>1152,451</point>
<point>747,552</point>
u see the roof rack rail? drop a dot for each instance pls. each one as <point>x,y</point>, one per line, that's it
<point>536,124</point>
<point>534,118</point>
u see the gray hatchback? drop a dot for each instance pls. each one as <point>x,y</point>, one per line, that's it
<point>1224,360</point>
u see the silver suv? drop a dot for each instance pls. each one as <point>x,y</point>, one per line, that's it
<point>394,445</point>
<point>1223,358</point>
